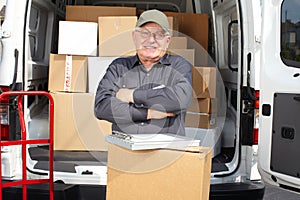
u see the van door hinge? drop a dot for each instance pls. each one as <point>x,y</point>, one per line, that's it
<point>5,34</point>
<point>257,39</point>
<point>247,106</point>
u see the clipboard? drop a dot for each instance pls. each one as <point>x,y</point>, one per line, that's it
<point>151,141</point>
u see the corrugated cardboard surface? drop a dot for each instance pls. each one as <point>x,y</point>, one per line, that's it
<point>78,38</point>
<point>188,54</point>
<point>115,36</point>
<point>195,28</point>
<point>200,120</point>
<point>204,82</point>
<point>75,126</point>
<point>158,174</point>
<point>57,65</point>
<point>91,13</point>
<point>178,43</point>
<point>203,105</point>
<point>193,25</point>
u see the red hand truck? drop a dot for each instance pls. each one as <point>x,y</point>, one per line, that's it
<point>24,141</point>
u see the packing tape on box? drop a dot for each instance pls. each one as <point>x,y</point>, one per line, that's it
<point>68,73</point>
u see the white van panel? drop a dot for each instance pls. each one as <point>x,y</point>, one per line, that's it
<point>278,81</point>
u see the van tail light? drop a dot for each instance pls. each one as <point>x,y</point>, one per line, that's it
<point>4,115</point>
<point>256,118</point>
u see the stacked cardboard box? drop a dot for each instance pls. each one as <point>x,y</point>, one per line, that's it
<point>195,28</point>
<point>70,77</point>
<point>75,126</point>
<point>73,80</point>
<point>179,44</point>
<point>92,13</point>
<point>115,35</point>
<point>77,38</point>
<point>72,72</point>
<point>203,108</point>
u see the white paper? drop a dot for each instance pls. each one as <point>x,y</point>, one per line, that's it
<point>152,141</point>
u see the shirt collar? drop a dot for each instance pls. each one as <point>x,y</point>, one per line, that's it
<point>164,60</point>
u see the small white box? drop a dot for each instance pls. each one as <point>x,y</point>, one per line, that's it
<point>78,38</point>
<point>97,67</point>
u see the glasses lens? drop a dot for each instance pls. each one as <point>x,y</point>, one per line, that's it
<point>147,34</point>
<point>159,35</point>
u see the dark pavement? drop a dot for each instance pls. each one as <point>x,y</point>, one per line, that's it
<point>274,193</point>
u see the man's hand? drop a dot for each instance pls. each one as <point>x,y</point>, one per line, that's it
<point>155,114</point>
<point>125,95</point>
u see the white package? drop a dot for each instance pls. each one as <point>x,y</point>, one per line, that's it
<point>78,38</point>
<point>97,67</point>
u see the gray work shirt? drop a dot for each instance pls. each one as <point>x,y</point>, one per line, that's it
<point>165,87</point>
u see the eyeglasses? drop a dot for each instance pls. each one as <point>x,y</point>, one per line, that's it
<point>159,35</point>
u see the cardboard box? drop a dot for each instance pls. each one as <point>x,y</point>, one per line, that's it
<point>193,25</point>
<point>91,13</point>
<point>178,43</point>
<point>200,120</point>
<point>97,67</point>
<point>162,174</point>
<point>68,76</point>
<point>77,38</point>
<point>115,36</point>
<point>203,105</point>
<point>171,24</point>
<point>204,82</point>
<point>195,28</point>
<point>75,126</point>
<point>188,54</point>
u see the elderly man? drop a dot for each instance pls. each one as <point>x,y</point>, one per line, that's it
<point>151,91</point>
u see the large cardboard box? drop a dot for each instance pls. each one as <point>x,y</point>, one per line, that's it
<point>75,126</point>
<point>195,28</point>
<point>162,174</point>
<point>204,82</point>
<point>91,13</point>
<point>67,73</point>
<point>188,54</point>
<point>77,38</point>
<point>200,120</point>
<point>171,24</point>
<point>97,67</point>
<point>178,43</point>
<point>193,25</point>
<point>203,105</point>
<point>115,35</point>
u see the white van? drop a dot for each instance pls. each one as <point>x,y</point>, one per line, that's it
<point>255,47</point>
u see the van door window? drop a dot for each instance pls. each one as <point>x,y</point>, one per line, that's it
<point>290,33</point>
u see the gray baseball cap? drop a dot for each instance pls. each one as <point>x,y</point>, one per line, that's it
<point>153,16</point>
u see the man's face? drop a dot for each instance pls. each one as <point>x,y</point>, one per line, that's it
<point>151,41</point>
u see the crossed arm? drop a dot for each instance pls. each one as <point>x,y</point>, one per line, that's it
<point>126,95</point>
<point>123,105</point>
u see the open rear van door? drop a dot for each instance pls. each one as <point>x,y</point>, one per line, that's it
<point>279,142</point>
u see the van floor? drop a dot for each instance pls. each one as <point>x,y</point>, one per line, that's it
<point>220,160</point>
<point>66,161</point>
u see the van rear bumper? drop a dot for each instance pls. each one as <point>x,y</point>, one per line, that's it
<point>237,191</point>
